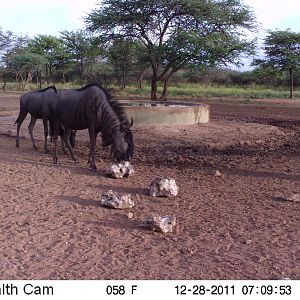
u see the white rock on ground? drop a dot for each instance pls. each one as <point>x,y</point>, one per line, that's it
<point>162,224</point>
<point>165,187</point>
<point>115,200</point>
<point>120,170</point>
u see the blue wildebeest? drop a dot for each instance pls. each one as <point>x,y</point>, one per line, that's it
<point>40,105</point>
<point>90,108</point>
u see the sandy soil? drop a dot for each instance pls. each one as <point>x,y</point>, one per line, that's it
<point>236,226</point>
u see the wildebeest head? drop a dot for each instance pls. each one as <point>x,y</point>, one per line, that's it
<point>125,128</point>
<point>121,142</point>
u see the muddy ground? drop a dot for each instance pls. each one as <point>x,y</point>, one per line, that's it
<point>235,226</point>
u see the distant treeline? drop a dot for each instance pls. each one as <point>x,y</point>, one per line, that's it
<point>80,58</point>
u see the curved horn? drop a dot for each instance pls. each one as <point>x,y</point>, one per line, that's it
<point>131,123</point>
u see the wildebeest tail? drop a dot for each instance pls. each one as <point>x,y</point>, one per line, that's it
<point>18,119</point>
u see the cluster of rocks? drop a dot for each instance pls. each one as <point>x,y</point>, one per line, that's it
<point>159,187</point>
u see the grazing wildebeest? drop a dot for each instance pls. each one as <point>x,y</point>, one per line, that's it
<point>90,108</point>
<point>40,105</point>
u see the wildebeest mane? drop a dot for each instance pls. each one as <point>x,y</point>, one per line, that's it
<point>115,105</point>
<point>47,88</point>
<point>118,109</point>
<point>107,93</point>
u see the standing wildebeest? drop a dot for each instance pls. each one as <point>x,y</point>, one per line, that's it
<point>90,108</point>
<point>40,105</point>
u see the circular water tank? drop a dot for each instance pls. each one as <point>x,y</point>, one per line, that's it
<point>166,112</point>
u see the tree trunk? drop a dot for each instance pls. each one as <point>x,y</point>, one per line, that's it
<point>81,72</point>
<point>4,81</point>
<point>154,84</point>
<point>50,73</point>
<point>40,80</point>
<point>140,79</point>
<point>47,74</point>
<point>153,89</point>
<point>63,77</point>
<point>291,84</point>
<point>165,89</point>
<point>124,75</point>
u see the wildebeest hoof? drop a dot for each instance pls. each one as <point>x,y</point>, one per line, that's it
<point>46,150</point>
<point>93,167</point>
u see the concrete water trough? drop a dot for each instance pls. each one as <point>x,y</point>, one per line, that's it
<point>179,113</point>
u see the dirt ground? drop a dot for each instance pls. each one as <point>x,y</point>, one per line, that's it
<point>235,226</point>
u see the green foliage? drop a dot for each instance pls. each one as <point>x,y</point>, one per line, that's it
<point>53,50</point>
<point>82,49</point>
<point>46,45</point>
<point>127,58</point>
<point>27,62</point>
<point>175,33</point>
<point>6,39</point>
<point>282,51</point>
<point>201,91</point>
<point>282,54</point>
<point>24,65</point>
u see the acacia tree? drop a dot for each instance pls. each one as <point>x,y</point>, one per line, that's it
<point>14,46</point>
<point>6,39</point>
<point>25,65</point>
<point>282,54</point>
<point>125,56</point>
<point>82,49</point>
<point>175,33</point>
<point>53,50</point>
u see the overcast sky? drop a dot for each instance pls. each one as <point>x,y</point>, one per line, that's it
<point>50,17</point>
<point>35,17</point>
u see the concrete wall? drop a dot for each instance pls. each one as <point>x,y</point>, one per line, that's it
<point>174,114</point>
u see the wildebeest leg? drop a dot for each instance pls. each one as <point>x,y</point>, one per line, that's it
<point>30,128</point>
<point>19,121</point>
<point>73,138</point>
<point>93,136</point>
<point>66,139</point>
<point>46,130</point>
<point>63,146</point>
<point>55,137</point>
